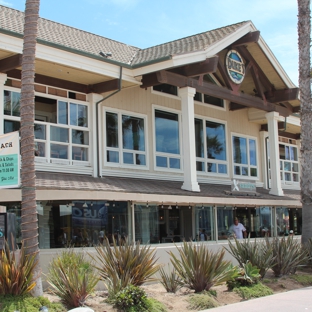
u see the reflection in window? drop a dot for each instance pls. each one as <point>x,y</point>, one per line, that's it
<point>133,150</point>
<point>225,220</point>
<point>244,156</point>
<point>214,142</point>
<point>289,164</point>
<point>11,103</point>
<point>167,140</point>
<point>204,223</point>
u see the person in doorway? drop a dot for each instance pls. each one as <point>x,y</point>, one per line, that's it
<point>238,229</point>
<point>203,235</point>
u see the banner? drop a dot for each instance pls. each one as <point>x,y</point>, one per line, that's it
<point>9,160</point>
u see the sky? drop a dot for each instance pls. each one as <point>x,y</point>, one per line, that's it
<point>145,23</point>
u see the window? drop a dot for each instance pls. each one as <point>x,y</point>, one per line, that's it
<point>289,164</point>
<point>166,88</point>
<point>210,144</point>
<point>204,223</point>
<point>244,156</point>
<point>207,99</point>
<point>11,103</point>
<point>125,139</point>
<point>167,140</point>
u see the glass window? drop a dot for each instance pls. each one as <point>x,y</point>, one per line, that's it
<point>289,164</point>
<point>78,115</point>
<point>225,220</point>
<point>204,223</point>
<point>133,150</point>
<point>167,139</point>
<point>244,156</point>
<point>11,103</point>
<point>62,112</point>
<point>215,145</point>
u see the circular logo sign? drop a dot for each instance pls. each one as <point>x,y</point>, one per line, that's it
<point>235,66</point>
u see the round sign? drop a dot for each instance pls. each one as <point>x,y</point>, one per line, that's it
<point>235,66</point>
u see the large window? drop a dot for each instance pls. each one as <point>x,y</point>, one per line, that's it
<point>244,156</point>
<point>125,139</point>
<point>210,144</point>
<point>61,128</point>
<point>289,164</point>
<point>204,223</point>
<point>167,140</point>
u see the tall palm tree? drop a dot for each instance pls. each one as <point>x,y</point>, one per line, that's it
<point>304,41</point>
<point>29,222</point>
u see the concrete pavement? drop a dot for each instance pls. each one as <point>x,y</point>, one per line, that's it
<point>291,301</point>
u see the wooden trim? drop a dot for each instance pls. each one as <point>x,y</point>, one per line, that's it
<point>11,62</point>
<point>249,38</point>
<point>286,95</point>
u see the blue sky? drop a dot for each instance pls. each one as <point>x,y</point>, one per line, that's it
<point>145,23</point>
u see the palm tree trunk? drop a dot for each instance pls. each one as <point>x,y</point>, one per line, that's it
<point>304,30</point>
<point>29,222</point>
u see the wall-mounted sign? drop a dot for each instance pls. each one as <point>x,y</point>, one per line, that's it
<point>243,186</point>
<point>9,160</point>
<point>235,66</point>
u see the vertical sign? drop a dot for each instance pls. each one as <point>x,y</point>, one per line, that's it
<point>9,160</point>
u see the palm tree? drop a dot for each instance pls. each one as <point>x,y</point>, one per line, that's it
<point>304,40</point>
<point>29,222</point>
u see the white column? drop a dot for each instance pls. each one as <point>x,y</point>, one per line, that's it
<point>93,98</point>
<point>264,158</point>
<point>276,186</point>
<point>3,78</point>
<point>188,134</point>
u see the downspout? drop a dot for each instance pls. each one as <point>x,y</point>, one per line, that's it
<point>267,160</point>
<point>97,120</point>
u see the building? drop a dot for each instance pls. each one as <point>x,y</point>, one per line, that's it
<point>155,144</point>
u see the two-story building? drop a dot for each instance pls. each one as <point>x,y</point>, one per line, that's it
<point>155,144</point>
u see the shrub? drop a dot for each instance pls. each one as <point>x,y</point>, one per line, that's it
<point>258,253</point>
<point>16,272</point>
<point>72,277</point>
<point>305,280</point>
<point>308,247</point>
<point>288,254</point>
<point>247,276</point>
<point>131,298</point>
<point>125,264</point>
<point>200,268</point>
<point>26,303</point>
<point>202,301</point>
<point>253,291</point>
<point>171,281</point>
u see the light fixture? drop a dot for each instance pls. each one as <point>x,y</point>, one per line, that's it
<point>113,203</point>
<point>147,204</point>
<point>71,204</point>
<point>190,206</point>
<point>91,204</point>
<point>85,205</point>
<point>203,206</point>
<point>169,207</point>
<point>106,204</point>
<point>162,205</point>
<point>177,207</point>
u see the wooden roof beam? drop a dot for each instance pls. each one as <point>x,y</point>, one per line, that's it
<point>280,125</point>
<point>104,86</point>
<point>197,69</point>
<point>11,62</point>
<point>235,106</point>
<point>249,38</point>
<point>278,96</point>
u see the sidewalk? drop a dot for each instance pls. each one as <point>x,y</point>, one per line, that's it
<point>290,301</point>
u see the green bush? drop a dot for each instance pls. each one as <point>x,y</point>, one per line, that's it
<point>288,254</point>
<point>72,277</point>
<point>199,268</point>
<point>16,272</point>
<point>258,253</point>
<point>253,291</point>
<point>305,280</point>
<point>26,303</point>
<point>171,281</point>
<point>125,264</point>
<point>131,298</point>
<point>202,301</point>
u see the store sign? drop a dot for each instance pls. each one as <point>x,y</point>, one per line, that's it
<point>235,66</point>
<point>9,160</point>
<point>243,186</point>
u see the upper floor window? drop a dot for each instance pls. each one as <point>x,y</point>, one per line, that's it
<point>210,144</point>
<point>244,156</point>
<point>125,139</point>
<point>204,98</point>
<point>166,88</point>
<point>289,164</point>
<point>167,140</point>
<point>11,103</point>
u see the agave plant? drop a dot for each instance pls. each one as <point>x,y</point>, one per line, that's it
<point>200,268</point>
<point>125,264</point>
<point>258,254</point>
<point>72,277</point>
<point>16,272</point>
<point>170,280</point>
<point>288,255</point>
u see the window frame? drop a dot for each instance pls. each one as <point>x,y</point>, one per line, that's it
<point>163,154</point>
<point>245,177</point>
<point>283,171</point>
<point>120,149</point>
<point>205,159</point>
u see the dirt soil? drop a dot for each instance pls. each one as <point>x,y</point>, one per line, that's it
<point>178,301</point>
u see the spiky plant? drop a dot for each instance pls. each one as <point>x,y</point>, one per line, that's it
<point>16,271</point>
<point>125,264</point>
<point>200,268</point>
<point>258,253</point>
<point>170,280</point>
<point>288,255</point>
<point>72,277</point>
